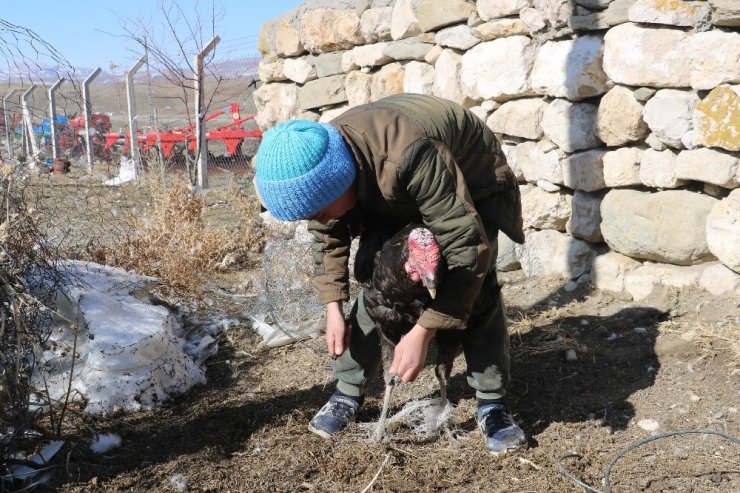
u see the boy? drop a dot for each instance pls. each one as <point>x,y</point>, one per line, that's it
<point>403,159</point>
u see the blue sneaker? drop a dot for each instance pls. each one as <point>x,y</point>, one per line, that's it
<point>499,429</point>
<point>335,415</point>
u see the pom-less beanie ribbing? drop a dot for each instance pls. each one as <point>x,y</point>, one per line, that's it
<point>302,167</point>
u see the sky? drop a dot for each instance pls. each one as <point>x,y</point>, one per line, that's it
<point>88,32</point>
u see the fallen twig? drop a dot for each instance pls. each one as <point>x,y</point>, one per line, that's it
<point>377,474</point>
<point>71,370</point>
<point>403,451</point>
<point>529,463</point>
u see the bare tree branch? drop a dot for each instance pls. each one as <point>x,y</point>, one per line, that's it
<point>172,41</point>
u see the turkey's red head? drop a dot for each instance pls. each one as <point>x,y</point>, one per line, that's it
<point>424,258</point>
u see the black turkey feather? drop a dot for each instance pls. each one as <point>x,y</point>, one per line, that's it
<point>400,276</point>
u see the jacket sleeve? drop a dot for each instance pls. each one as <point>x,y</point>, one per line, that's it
<point>437,185</point>
<point>330,250</point>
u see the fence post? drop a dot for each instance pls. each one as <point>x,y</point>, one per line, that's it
<point>52,114</point>
<point>200,131</point>
<point>32,146</point>
<point>8,141</point>
<point>88,108</point>
<point>131,101</point>
<point>160,157</point>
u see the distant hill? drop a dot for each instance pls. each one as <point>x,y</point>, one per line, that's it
<point>233,68</point>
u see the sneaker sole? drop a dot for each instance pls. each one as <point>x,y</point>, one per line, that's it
<point>320,433</point>
<point>508,450</point>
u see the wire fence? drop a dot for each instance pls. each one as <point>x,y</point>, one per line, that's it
<point>49,213</point>
<point>162,106</point>
<point>29,281</point>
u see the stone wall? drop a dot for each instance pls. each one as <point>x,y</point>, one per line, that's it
<point>621,118</point>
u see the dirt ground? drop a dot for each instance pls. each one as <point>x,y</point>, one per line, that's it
<point>641,369</point>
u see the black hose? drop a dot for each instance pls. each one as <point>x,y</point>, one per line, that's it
<point>623,452</point>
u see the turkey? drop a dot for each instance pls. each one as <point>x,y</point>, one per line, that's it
<point>400,276</point>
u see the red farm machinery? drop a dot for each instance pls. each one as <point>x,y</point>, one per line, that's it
<point>230,144</point>
<point>69,133</point>
<point>176,142</point>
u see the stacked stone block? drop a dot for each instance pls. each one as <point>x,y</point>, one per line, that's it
<point>621,118</point>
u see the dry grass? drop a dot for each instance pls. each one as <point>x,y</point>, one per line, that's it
<point>721,335</point>
<point>28,280</point>
<point>713,337</point>
<point>172,242</point>
<point>543,338</point>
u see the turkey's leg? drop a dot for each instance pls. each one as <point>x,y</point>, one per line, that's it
<point>386,352</point>
<point>380,427</point>
<point>443,370</point>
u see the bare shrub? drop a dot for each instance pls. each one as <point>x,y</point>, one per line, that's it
<point>26,264</point>
<point>171,241</point>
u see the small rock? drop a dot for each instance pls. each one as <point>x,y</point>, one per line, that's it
<point>654,143</point>
<point>643,94</point>
<point>715,477</point>
<point>612,337</point>
<point>570,355</point>
<point>650,369</point>
<point>584,322</point>
<point>680,452</point>
<point>547,186</point>
<point>648,424</point>
<point>640,330</point>
<point>718,415</point>
<point>732,409</point>
<point>228,260</point>
<point>571,286</point>
<point>179,482</point>
<point>602,331</point>
<point>591,416</point>
<point>694,398</point>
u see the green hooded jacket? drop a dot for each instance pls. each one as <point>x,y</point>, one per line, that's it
<point>424,159</point>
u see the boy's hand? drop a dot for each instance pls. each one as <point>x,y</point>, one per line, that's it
<point>338,332</point>
<point>411,353</point>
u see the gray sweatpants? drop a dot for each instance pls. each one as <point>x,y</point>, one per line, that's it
<point>485,344</point>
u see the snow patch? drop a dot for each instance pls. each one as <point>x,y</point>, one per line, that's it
<point>128,354</point>
<point>105,443</point>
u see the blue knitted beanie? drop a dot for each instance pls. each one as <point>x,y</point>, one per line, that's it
<point>302,167</point>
